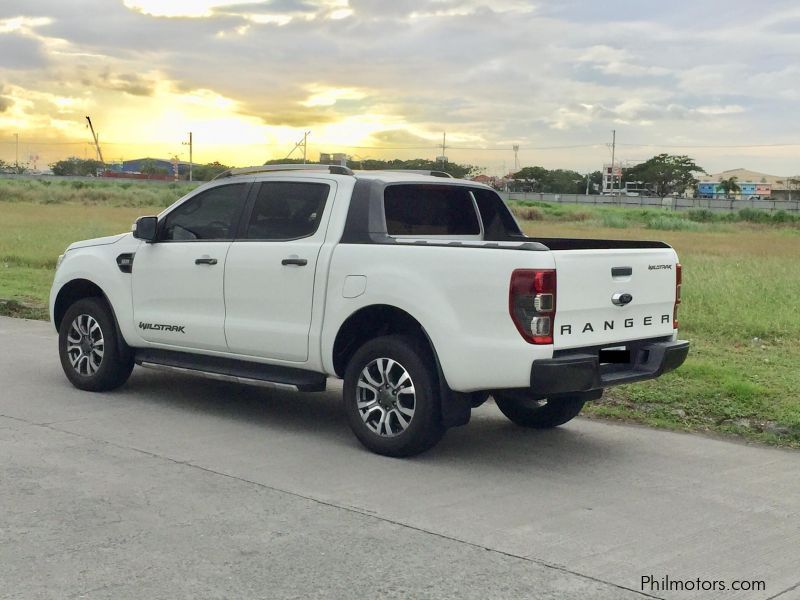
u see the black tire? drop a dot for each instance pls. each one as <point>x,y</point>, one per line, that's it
<point>539,414</point>
<point>390,437</point>
<point>91,371</point>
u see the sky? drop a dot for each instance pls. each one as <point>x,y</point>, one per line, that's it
<point>718,80</point>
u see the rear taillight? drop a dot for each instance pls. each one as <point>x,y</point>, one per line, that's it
<point>677,295</point>
<point>532,304</point>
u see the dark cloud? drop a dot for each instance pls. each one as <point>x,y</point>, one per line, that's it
<point>130,83</point>
<point>276,6</point>
<point>20,52</point>
<point>564,72</point>
<point>388,10</point>
<point>290,115</point>
<point>400,137</point>
<point>5,103</point>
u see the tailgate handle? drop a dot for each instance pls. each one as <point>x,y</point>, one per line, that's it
<point>621,271</point>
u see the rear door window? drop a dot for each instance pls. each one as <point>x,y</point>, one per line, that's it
<point>430,210</point>
<point>287,210</point>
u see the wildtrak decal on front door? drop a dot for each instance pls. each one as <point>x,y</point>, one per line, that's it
<point>161,327</point>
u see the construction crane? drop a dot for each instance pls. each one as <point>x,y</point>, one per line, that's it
<point>96,141</point>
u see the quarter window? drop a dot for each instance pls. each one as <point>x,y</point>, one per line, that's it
<point>430,210</point>
<point>211,215</point>
<point>287,210</point>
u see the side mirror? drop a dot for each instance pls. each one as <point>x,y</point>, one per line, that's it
<point>146,228</point>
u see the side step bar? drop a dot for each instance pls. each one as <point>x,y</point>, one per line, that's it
<point>233,370</point>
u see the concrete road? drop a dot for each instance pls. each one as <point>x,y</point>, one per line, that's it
<point>176,487</point>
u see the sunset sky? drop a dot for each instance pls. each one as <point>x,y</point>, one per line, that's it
<point>378,79</point>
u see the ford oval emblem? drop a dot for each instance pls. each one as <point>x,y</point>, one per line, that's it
<point>621,299</point>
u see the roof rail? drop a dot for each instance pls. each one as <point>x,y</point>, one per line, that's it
<point>332,169</point>
<point>421,172</point>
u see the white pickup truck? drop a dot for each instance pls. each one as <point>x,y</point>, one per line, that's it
<point>419,290</point>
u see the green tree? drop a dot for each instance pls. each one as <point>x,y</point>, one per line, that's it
<point>208,171</point>
<point>665,174</point>
<point>9,169</point>
<point>530,179</point>
<point>149,167</point>
<point>77,166</point>
<point>556,181</point>
<point>729,186</point>
<point>595,182</point>
<point>419,164</point>
<point>290,161</point>
<point>792,185</point>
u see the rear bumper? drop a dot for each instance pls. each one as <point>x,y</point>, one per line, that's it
<point>582,372</point>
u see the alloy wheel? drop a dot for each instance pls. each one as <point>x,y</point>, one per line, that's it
<point>386,397</point>
<point>85,345</point>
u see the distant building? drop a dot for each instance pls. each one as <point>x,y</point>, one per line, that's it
<point>753,185</point>
<point>612,178</point>
<point>137,164</point>
<point>336,158</point>
<point>498,183</point>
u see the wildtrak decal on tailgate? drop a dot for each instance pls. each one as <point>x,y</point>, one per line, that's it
<point>657,267</point>
<point>160,327</point>
<point>609,325</point>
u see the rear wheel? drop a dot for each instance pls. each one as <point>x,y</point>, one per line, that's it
<point>391,396</point>
<point>89,347</point>
<point>539,414</point>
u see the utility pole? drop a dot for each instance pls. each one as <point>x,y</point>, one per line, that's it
<point>587,183</point>
<point>16,154</point>
<point>613,156</point>
<point>304,144</point>
<point>443,156</point>
<point>190,154</point>
<point>516,157</point>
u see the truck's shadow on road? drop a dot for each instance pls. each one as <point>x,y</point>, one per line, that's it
<point>488,439</point>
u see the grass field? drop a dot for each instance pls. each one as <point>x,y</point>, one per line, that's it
<point>741,295</point>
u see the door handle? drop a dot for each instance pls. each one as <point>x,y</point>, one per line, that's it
<point>205,260</point>
<point>300,262</point>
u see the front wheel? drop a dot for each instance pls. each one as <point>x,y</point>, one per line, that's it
<point>391,396</point>
<point>539,414</point>
<point>91,354</point>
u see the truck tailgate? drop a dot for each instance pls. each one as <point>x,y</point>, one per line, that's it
<point>606,296</point>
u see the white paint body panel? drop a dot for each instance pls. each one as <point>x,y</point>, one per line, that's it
<point>97,263</point>
<point>269,305</point>
<point>585,315</point>
<point>170,289</point>
<point>290,316</point>
<point>458,295</point>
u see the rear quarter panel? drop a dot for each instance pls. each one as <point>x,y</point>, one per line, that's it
<point>458,295</point>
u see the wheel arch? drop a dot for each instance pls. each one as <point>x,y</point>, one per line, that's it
<point>77,289</point>
<point>373,321</point>
<point>71,292</point>
<point>378,320</point>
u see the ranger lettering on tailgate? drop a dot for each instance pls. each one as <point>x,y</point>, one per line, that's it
<point>609,325</point>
